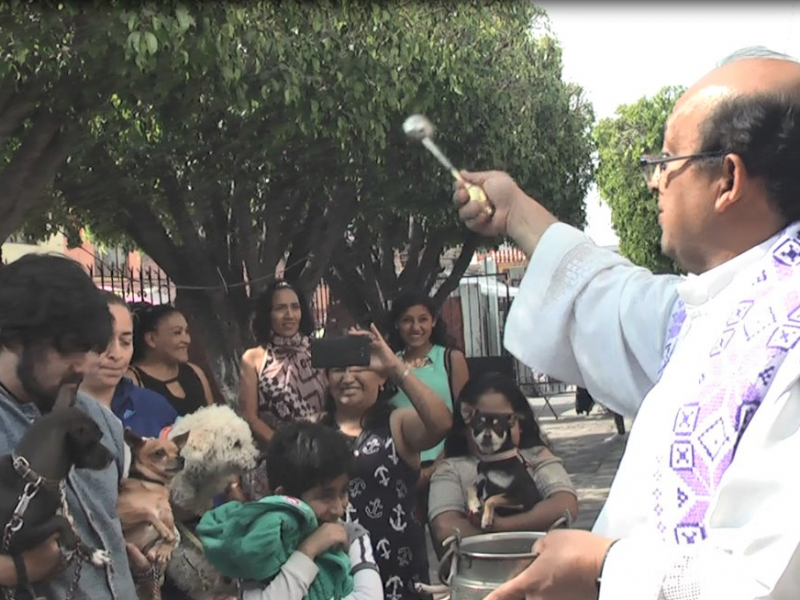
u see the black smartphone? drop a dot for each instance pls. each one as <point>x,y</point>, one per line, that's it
<point>340,352</point>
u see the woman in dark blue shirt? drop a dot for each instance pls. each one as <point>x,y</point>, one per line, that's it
<point>144,411</point>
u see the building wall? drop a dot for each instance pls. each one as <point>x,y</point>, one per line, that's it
<point>14,250</point>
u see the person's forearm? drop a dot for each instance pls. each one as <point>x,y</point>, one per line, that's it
<point>527,222</point>
<point>291,583</point>
<point>433,412</point>
<point>261,430</point>
<point>442,531</point>
<point>367,585</point>
<point>540,518</point>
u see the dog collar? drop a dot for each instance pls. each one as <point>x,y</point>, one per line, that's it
<point>132,474</point>
<point>506,454</point>
<point>24,470</point>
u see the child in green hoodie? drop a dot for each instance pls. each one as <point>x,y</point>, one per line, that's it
<point>294,545</point>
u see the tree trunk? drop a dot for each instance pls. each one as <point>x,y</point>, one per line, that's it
<point>219,332</point>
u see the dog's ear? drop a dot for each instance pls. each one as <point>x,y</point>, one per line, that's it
<point>133,439</point>
<point>67,394</point>
<point>467,412</point>
<point>180,440</point>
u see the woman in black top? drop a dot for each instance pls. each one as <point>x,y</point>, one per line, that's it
<point>161,358</point>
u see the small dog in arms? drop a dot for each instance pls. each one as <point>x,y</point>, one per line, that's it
<point>504,484</point>
<point>148,522</point>
<point>33,501</point>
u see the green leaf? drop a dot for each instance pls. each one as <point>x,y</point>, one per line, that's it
<point>185,20</point>
<point>151,41</point>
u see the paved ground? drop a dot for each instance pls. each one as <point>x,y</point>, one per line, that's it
<point>590,449</point>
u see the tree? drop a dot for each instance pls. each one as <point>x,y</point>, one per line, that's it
<point>264,132</point>
<point>58,66</point>
<point>636,129</point>
<point>519,116</point>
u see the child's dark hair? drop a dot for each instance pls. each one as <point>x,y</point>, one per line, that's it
<point>401,304</point>
<point>146,319</point>
<point>303,455</point>
<point>262,318</point>
<point>530,436</point>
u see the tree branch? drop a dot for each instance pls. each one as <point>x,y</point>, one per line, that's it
<point>23,166</point>
<point>292,223</point>
<point>387,273</point>
<point>243,226</point>
<point>217,226</point>
<point>460,266</point>
<point>8,88</point>
<point>430,262</point>
<point>175,197</point>
<point>135,217</point>
<point>415,245</point>
<point>348,286</point>
<point>347,296</point>
<point>338,213</point>
<point>17,108</point>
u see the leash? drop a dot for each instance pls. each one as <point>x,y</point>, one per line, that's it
<point>33,483</point>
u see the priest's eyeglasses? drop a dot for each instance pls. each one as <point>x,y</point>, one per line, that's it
<point>654,166</point>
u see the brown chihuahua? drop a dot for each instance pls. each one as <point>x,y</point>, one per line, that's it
<point>143,503</point>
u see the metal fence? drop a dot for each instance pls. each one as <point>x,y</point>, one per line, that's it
<point>147,284</point>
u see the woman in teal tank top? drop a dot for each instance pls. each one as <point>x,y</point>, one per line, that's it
<point>419,338</point>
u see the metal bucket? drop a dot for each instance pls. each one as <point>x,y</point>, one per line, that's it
<point>475,566</point>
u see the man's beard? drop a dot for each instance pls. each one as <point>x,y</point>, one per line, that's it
<point>43,398</point>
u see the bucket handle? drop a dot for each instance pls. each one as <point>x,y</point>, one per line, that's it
<point>447,565</point>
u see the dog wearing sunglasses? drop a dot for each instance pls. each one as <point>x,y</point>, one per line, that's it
<point>504,485</point>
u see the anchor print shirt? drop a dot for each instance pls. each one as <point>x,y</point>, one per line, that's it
<point>382,500</point>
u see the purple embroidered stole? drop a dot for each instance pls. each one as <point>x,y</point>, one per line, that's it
<point>739,368</point>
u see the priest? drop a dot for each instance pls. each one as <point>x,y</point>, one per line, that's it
<point>706,502</point>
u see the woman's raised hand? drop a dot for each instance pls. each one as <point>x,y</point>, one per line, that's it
<point>382,360</point>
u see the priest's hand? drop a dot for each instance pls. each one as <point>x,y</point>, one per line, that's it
<point>567,568</point>
<point>515,213</point>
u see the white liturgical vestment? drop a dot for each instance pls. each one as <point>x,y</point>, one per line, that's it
<point>587,316</point>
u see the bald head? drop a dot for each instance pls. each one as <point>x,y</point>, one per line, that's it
<point>745,76</point>
<point>756,75</point>
<point>742,74</point>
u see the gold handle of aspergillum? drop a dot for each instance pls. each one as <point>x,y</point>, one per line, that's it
<point>476,193</point>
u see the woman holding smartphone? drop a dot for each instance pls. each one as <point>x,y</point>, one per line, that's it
<point>387,443</point>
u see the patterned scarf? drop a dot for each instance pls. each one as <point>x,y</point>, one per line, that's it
<point>289,388</point>
<point>739,369</point>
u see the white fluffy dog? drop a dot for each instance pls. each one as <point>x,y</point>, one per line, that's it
<point>220,448</point>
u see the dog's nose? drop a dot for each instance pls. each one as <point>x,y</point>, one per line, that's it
<point>181,461</point>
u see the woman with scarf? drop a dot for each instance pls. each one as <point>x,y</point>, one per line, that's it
<point>277,383</point>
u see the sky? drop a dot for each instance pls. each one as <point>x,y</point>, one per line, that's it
<point>620,53</point>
